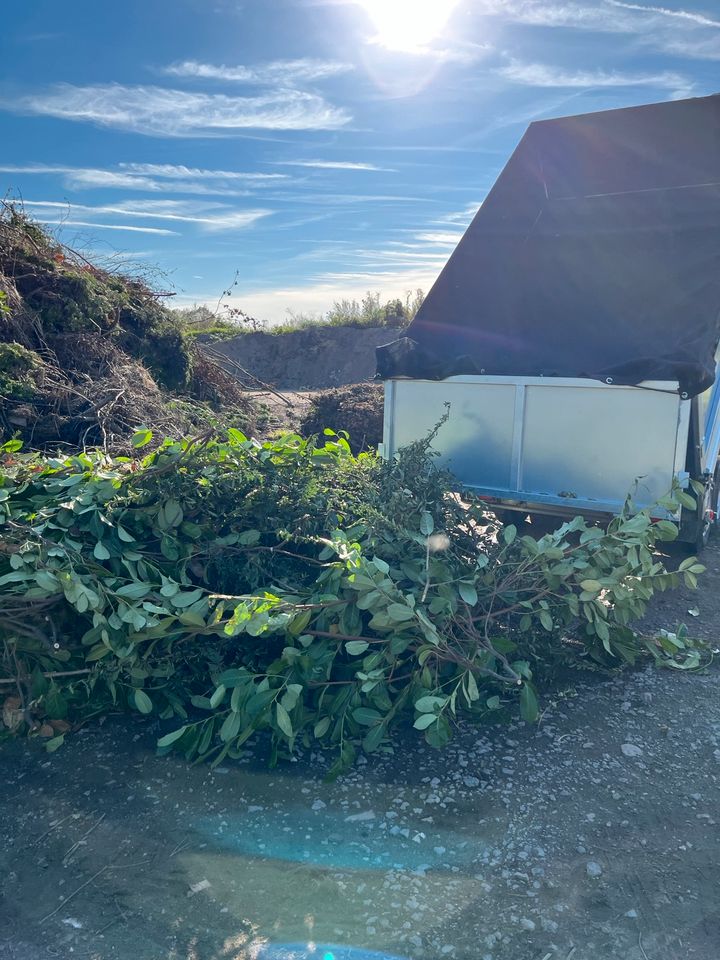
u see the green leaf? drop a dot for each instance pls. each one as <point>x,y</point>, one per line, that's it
<point>171,737</point>
<point>55,743</point>
<point>546,620</point>
<point>428,704</point>
<point>529,710</point>
<point>284,721</point>
<point>124,535</point>
<point>249,538</point>
<point>133,591</point>
<point>182,600</point>
<point>98,652</point>
<point>590,586</point>
<point>427,524</point>
<point>356,647</point>
<point>493,703</point>
<point>366,717</point>
<point>321,728</point>
<point>472,688</point>
<point>509,533</point>
<point>468,592</point>
<point>374,738</point>
<point>399,612</point>
<point>142,701</point>
<point>231,727</point>
<point>172,514</point>
<point>234,677</point>
<point>141,438</point>
<point>424,721</point>
<point>218,696</point>
<point>666,530</point>
<point>101,552</point>
<point>47,581</point>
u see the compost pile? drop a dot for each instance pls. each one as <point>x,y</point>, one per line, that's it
<point>87,356</point>
<point>357,409</point>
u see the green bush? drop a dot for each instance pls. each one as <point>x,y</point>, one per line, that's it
<point>232,587</point>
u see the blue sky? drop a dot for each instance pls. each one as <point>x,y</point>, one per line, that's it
<point>320,148</point>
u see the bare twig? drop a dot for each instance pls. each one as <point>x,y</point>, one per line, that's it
<point>52,675</point>
<point>77,843</point>
<point>640,944</point>
<point>73,894</point>
<point>53,827</point>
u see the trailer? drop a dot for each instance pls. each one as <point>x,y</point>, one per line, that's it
<point>570,344</point>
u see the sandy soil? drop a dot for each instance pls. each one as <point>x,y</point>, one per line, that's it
<point>591,836</point>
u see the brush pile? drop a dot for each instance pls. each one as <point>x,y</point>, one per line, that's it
<point>87,356</point>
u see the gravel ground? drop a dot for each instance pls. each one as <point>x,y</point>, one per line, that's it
<point>591,836</point>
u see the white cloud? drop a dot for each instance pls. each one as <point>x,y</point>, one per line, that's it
<point>334,165</point>
<point>441,239</point>
<point>214,217</point>
<point>152,178</point>
<point>106,226</point>
<point>544,75</point>
<point>158,111</point>
<point>695,18</point>
<point>273,73</point>
<point>683,32</point>
<point>464,216</point>
<point>173,171</point>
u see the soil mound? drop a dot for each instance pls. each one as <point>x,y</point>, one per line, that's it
<point>314,358</point>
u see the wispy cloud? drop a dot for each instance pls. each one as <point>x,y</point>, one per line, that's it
<point>544,75</point>
<point>151,178</point>
<point>334,165</point>
<point>462,217</point>
<point>105,226</point>
<point>178,172</point>
<point>685,32</point>
<point>272,73</point>
<point>697,18</point>
<point>158,111</point>
<point>215,217</point>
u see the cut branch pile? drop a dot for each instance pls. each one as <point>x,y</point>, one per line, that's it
<point>88,356</point>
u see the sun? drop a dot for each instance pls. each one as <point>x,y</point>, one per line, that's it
<point>408,25</point>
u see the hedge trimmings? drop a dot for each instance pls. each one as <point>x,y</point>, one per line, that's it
<point>234,587</point>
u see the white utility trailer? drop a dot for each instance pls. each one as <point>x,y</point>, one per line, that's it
<point>562,446</point>
<point>572,337</point>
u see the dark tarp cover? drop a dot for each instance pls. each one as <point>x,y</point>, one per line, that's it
<point>596,254</point>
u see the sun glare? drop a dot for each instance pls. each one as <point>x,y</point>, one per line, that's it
<point>408,25</point>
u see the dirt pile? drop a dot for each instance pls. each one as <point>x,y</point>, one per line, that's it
<point>357,408</point>
<point>87,356</point>
<point>311,359</point>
